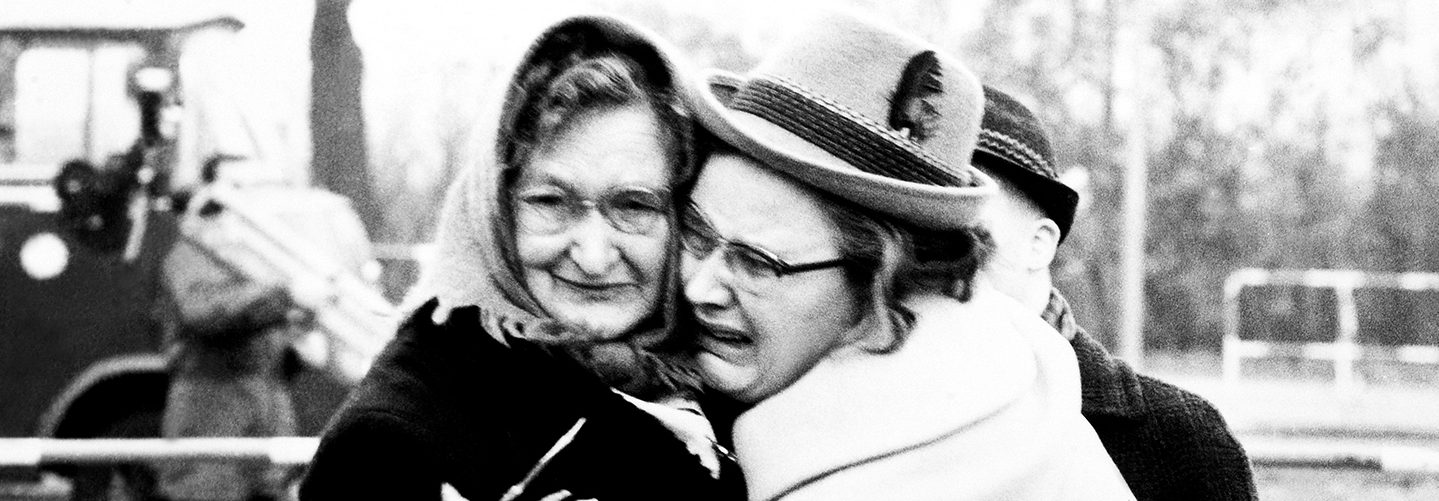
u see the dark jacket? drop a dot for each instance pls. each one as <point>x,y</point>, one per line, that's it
<point>450,404</point>
<point>1168,443</point>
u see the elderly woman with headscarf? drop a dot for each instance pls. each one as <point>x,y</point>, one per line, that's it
<point>543,365</point>
<point>831,259</point>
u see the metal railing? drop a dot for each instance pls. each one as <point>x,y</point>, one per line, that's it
<point>42,451</point>
<point>1345,349</point>
<point>1308,453</point>
<point>1264,452</point>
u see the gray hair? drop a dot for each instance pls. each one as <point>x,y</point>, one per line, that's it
<point>587,83</point>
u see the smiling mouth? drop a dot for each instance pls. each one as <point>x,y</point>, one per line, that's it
<point>594,286</point>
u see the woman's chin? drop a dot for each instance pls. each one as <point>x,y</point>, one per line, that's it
<point>734,380</point>
<point>607,316</point>
<point>600,326</point>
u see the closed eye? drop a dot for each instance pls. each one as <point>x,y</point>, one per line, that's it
<point>639,197</point>
<point>755,260</point>
<point>544,198</point>
<point>638,203</point>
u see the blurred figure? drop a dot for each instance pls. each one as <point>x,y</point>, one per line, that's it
<point>1169,443</point>
<point>228,367</point>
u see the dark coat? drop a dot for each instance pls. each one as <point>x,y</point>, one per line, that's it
<point>450,404</point>
<point>1168,443</point>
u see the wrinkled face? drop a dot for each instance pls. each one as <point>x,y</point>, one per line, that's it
<point>585,261</point>
<point>761,336</point>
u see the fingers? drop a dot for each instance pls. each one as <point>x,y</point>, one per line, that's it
<point>448,493</point>
<point>564,495</point>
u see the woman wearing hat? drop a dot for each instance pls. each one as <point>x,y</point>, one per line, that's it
<point>831,258</point>
<point>541,369</point>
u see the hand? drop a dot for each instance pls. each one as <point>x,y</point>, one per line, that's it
<point>448,493</point>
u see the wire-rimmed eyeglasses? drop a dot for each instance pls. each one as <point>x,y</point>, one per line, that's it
<point>548,209</point>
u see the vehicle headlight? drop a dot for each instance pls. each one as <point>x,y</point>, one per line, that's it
<point>44,256</point>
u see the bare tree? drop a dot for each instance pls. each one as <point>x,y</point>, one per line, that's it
<point>337,123</point>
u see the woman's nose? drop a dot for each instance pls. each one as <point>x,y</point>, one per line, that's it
<point>702,287</point>
<point>592,245</point>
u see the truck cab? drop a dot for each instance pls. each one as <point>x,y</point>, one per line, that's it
<point>112,117</point>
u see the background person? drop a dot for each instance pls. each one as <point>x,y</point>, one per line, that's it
<point>553,281</point>
<point>228,374</point>
<point>829,260</point>
<point>1168,443</point>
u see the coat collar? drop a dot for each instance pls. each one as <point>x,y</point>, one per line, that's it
<point>870,406</point>
<point>1109,387</point>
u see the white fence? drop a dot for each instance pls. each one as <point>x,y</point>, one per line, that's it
<point>1263,452</point>
<point>38,451</point>
<point>1345,349</point>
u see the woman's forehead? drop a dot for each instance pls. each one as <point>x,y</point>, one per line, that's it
<point>749,203</point>
<point>607,147</point>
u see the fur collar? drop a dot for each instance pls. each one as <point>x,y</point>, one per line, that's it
<point>962,363</point>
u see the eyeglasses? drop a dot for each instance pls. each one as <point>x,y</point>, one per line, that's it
<point>547,209</point>
<point>748,263</point>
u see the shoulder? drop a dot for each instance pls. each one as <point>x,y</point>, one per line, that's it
<point>374,423</point>
<point>1181,443</point>
<point>424,375</point>
<point>425,353</point>
<point>1179,412</point>
<point>374,454</point>
<point>1165,399</point>
<point>1152,407</point>
<point>1168,442</point>
<point>1204,448</point>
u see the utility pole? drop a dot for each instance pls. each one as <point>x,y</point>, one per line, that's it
<point>1135,179</point>
<point>9,56</point>
<point>337,124</point>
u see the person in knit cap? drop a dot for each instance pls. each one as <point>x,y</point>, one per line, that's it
<point>541,363</point>
<point>1169,443</point>
<point>831,260</point>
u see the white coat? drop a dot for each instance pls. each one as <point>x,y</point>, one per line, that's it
<point>981,402</point>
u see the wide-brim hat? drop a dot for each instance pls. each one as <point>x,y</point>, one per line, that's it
<point>860,111</point>
<point>1013,146</point>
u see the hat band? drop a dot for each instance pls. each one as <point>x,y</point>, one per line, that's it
<point>1015,151</point>
<point>843,133</point>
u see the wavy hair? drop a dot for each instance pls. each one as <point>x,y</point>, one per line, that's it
<point>580,83</point>
<point>889,260</point>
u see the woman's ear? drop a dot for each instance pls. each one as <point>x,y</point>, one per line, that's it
<point>876,341</point>
<point>874,334</point>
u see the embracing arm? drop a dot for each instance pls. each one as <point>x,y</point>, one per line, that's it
<point>373,455</point>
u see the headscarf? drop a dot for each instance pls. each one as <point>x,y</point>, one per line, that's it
<point>475,262</point>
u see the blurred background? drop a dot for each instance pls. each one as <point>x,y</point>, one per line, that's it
<point>1206,137</point>
<point>1275,134</point>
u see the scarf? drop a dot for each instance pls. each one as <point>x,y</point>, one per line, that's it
<point>475,262</point>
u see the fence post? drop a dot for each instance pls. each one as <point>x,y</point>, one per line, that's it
<point>1230,350</point>
<point>1345,348</point>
